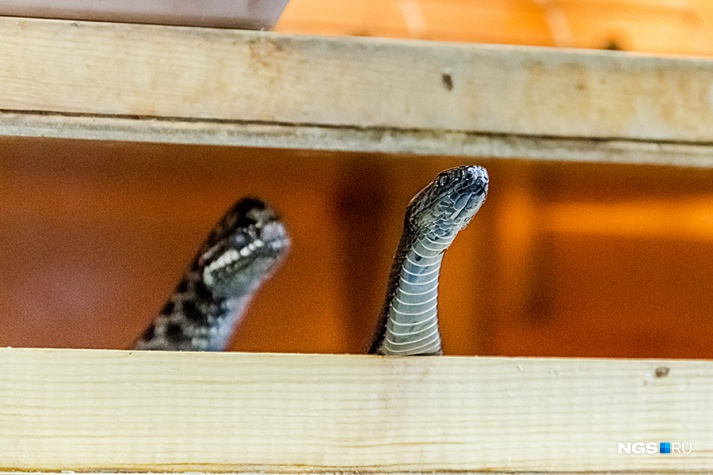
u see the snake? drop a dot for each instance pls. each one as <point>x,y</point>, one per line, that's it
<point>240,254</point>
<point>408,324</point>
<point>250,241</point>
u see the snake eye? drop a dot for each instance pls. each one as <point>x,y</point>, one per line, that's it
<point>240,240</point>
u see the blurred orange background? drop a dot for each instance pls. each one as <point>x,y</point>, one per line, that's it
<point>653,26</point>
<point>564,259</point>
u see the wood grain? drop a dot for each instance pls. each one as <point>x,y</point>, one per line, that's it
<point>193,85</point>
<point>354,139</point>
<point>94,410</point>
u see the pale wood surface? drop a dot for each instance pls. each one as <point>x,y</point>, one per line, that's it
<point>171,84</point>
<point>117,410</point>
<point>353,139</point>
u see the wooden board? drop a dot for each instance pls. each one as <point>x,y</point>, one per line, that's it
<point>88,410</point>
<point>192,85</point>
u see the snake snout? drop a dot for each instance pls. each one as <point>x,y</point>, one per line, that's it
<point>470,177</point>
<point>477,178</point>
<point>470,191</point>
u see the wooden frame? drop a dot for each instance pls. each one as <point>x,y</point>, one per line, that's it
<point>168,84</point>
<point>89,410</point>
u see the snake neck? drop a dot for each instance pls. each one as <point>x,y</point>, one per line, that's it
<point>195,318</point>
<point>409,319</point>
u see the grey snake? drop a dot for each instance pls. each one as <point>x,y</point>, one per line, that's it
<point>250,241</point>
<point>241,253</point>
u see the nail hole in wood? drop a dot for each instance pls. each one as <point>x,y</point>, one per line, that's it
<point>447,81</point>
<point>662,371</point>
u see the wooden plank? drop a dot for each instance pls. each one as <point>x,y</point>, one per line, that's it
<point>104,81</point>
<point>353,139</point>
<point>88,410</point>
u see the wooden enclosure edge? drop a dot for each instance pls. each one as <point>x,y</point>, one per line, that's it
<point>100,410</point>
<point>103,81</point>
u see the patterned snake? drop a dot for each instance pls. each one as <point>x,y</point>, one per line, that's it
<point>250,240</point>
<point>240,254</point>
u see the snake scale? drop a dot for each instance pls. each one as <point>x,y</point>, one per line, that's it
<point>250,241</point>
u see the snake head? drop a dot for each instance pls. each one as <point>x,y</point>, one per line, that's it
<point>449,202</point>
<point>244,250</point>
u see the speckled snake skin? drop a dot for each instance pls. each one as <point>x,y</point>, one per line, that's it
<point>240,254</point>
